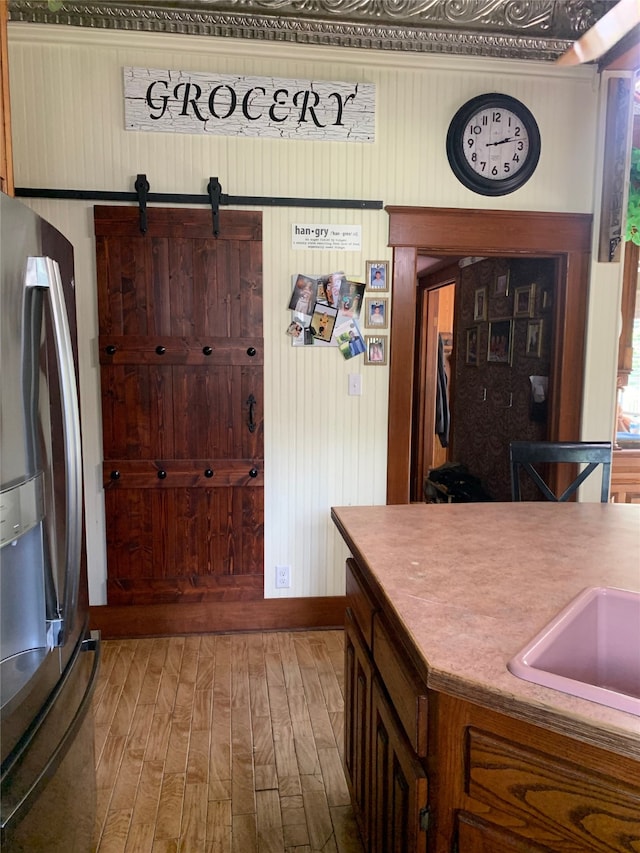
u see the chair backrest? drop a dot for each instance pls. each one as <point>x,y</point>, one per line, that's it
<point>524,454</point>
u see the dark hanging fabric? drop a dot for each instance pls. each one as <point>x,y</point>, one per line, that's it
<point>442,398</point>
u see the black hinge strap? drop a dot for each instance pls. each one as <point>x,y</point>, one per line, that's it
<point>215,191</point>
<point>142,190</point>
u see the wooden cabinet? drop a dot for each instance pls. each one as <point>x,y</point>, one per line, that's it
<point>477,836</point>
<point>435,773</point>
<point>399,807</point>
<point>386,778</point>
<point>6,156</point>
<point>506,784</point>
<point>357,723</point>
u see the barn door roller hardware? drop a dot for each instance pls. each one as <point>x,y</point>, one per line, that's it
<point>214,197</point>
<point>142,189</point>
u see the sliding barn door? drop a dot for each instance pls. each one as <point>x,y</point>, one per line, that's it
<point>181,364</point>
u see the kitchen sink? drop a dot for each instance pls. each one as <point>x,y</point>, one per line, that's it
<point>590,649</point>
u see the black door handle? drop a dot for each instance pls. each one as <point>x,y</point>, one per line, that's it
<point>251,402</point>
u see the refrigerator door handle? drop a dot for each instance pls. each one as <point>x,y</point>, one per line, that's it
<point>44,274</point>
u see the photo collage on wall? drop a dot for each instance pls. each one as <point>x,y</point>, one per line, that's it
<point>329,310</point>
<point>528,302</point>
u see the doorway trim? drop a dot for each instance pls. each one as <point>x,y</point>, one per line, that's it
<point>452,231</point>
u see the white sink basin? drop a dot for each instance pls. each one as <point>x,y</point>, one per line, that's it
<point>591,649</point>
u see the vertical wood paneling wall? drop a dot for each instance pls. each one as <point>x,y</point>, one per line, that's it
<point>322,447</point>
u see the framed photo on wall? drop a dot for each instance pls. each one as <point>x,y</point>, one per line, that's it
<point>500,342</point>
<point>480,304</point>
<point>378,275</point>
<point>524,301</point>
<point>375,313</point>
<point>534,338</point>
<point>472,353</point>
<point>376,352</point>
<point>501,284</point>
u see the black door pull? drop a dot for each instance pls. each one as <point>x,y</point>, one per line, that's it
<point>251,402</point>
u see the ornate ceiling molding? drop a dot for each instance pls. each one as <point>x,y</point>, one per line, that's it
<point>514,29</point>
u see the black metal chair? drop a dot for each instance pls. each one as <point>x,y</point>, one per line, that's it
<point>525,454</point>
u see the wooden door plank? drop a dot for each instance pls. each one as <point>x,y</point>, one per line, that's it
<point>159,305</point>
<point>179,288</point>
<point>205,276</point>
<point>191,473</point>
<point>143,349</point>
<point>168,222</point>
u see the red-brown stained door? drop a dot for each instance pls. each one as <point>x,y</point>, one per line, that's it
<point>181,364</point>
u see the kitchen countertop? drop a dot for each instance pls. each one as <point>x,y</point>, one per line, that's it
<point>471,584</point>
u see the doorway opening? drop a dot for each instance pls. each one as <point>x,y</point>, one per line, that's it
<point>484,333</point>
<point>432,395</point>
<point>563,239</point>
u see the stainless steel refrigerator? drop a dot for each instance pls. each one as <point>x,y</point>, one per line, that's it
<point>48,658</point>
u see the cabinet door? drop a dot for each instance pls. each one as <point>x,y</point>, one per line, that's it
<point>477,836</point>
<point>398,784</point>
<point>357,715</point>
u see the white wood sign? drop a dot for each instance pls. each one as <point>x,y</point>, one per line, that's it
<point>222,104</point>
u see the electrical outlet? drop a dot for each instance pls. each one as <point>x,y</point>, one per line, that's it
<point>355,385</point>
<point>283,577</point>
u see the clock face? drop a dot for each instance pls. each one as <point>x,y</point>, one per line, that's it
<point>493,144</point>
<point>496,143</point>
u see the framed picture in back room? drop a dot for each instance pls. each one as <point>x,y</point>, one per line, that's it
<point>500,342</point>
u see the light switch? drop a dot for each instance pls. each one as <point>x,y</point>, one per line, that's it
<point>355,385</point>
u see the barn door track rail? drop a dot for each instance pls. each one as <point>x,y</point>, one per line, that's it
<point>214,197</point>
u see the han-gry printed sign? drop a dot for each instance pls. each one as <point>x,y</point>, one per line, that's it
<point>342,238</point>
<point>230,105</point>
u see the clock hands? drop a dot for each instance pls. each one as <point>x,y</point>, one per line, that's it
<point>502,141</point>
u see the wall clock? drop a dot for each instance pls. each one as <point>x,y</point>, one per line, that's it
<point>493,144</point>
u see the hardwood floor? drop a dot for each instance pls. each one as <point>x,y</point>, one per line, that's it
<point>227,743</point>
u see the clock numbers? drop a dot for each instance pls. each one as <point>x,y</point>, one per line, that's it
<point>493,144</point>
